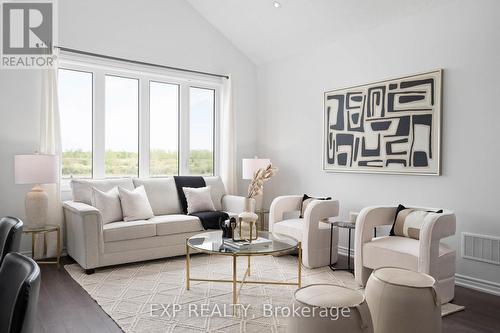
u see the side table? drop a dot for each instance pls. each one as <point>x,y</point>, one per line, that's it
<point>344,225</point>
<point>261,213</point>
<point>34,231</point>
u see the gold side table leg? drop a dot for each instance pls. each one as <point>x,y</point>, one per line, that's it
<point>33,246</point>
<point>187,265</point>
<point>235,297</point>
<point>248,267</point>
<point>58,254</point>
<point>300,265</point>
<point>45,244</point>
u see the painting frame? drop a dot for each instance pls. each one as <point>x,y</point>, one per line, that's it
<point>435,128</point>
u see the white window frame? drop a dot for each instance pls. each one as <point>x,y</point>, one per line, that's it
<point>145,74</point>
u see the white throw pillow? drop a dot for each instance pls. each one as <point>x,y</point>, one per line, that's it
<point>135,204</point>
<point>198,199</point>
<point>108,203</point>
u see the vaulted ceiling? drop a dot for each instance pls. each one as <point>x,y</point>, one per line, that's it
<point>265,33</point>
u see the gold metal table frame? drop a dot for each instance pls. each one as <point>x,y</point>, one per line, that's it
<point>35,231</point>
<point>235,281</point>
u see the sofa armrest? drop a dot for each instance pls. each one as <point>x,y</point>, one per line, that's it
<point>281,205</point>
<point>435,228</point>
<point>368,218</point>
<point>80,208</point>
<point>236,204</point>
<point>84,233</point>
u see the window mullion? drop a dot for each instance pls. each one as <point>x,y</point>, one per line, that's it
<point>184,130</point>
<point>144,127</point>
<point>99,119</point>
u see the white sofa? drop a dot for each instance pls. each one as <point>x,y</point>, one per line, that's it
<point>94,244</point>
<point>314,234</point>
<point>426,255</point>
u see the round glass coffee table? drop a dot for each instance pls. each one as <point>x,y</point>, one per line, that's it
<point>213,243</point>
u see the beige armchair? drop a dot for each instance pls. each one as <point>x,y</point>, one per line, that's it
<point>427,255</point>
<point>314,234</point>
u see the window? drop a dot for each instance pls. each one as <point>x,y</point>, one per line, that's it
<point>163,129</point>
<point>122,127</point>
<point>201,131</point>
<point>75,103</point>
<point>123,120</point>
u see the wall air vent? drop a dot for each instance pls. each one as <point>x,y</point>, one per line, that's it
<point>481,248</point>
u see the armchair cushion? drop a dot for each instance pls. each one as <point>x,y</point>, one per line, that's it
<point>295,228</point>
<point>292,228</point>
<point>409,221</point>
<point>403,252</point>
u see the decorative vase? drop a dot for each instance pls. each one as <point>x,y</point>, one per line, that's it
<point>247,223</point>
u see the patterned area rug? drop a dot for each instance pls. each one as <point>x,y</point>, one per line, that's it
<point>152,297</point>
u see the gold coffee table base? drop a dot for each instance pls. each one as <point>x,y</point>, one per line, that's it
<point>235,281</point>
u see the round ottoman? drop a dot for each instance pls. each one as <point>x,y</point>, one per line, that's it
<point>403,301</point>
<point>328,308</point>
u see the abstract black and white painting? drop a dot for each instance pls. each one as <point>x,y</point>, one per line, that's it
<point>391,126</point>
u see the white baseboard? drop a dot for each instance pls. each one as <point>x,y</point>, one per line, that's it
<point>477,284</point>
<point>460,279</point>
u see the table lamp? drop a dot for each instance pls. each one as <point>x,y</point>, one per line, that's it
<point>249,166</point>
<point>36,169</point>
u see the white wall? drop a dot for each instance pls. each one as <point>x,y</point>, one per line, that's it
<point>167,32</point>
<point>459,36</point>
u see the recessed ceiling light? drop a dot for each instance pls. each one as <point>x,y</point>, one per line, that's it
<point>276,4</point>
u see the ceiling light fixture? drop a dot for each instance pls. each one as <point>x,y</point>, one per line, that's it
<point>276,4</point>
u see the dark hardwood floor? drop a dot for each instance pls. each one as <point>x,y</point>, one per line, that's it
<point>65,307</point>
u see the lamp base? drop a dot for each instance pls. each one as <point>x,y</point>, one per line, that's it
<point>37,206</point>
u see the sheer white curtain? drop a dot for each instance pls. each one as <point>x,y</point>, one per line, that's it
<point>227,137</point>
<point>50,143</point>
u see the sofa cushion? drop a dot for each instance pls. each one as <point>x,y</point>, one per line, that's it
<point>175,224</point>
<point>108,203</point>
<point>402,252</point>
<point>82,188</point>
<point>118,231</point>
<point>135,204</point>
<point>217,190</point>
<point>198,199</point>
<point>162,195</point>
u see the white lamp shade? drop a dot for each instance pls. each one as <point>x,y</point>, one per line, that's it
<point>36,169</point>
<point>250,165</point>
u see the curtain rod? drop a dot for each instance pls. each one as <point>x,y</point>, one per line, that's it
<point>65,49</point>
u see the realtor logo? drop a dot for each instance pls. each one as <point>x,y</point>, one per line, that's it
<point>27,34</point>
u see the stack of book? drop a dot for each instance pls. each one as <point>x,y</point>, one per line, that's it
<point>245,245</point>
